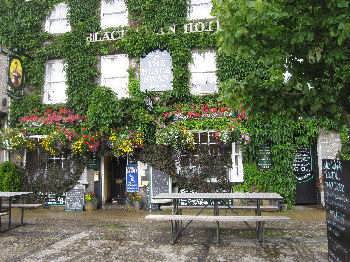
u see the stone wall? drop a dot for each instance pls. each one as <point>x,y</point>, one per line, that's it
<point>3,100</point>
<point>3,83</point>
<point>328,146</point>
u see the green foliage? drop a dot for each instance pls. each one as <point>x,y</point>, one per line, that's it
<point>345,149</point>
<point>103,112</point>
<point>157,13</point>
<point>267,181</point>
<point>10,177</point>
<point>309,39</point>
<point>273,32</point>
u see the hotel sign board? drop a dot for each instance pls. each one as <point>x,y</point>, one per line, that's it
<point>188,28</point>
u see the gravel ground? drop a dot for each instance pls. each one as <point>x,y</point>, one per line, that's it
<point>124,235</point>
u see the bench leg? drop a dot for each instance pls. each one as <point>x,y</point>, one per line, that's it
<point>260,232</point>
<point>218,233</point>
<point>22,216</point>
<point>10,215</point>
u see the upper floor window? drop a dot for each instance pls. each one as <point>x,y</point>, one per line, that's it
<point>200,9</point>
<point>57,22</point>
<point>113,13</point>
<point>203,73</point>
<point>115,75</point>
<point>55,83</point>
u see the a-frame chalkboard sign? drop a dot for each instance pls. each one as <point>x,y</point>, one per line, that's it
<point>336,176</point>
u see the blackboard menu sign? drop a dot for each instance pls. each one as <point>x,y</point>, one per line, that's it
<point>74,200</point>
<point>53,199</point>
<point>336,175</point>
<point>302,165</point>
<point>264,157</point>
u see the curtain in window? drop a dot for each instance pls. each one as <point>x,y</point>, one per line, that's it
<point>57,22</point>
<point>200,9</point>
<point>55,83</point>
<point>113,13</point>
<point>114,74</point>
<point>203,73</point>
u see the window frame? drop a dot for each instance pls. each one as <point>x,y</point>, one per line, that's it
<point>192,65</point>
<point>105,11</point>
<point>190,13</point>
<point>49,20</point>
<point>49,83</point>
<point>115,76</point>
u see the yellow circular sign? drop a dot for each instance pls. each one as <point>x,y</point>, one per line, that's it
<point>15,72</point>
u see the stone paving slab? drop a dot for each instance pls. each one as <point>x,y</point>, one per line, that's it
<point>121,235</point>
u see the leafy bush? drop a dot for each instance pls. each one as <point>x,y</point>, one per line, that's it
<point>10,177</point>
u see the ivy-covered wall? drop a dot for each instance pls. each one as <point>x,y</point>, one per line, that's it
<point>21,29</point>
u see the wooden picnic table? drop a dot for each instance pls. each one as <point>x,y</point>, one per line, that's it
<point>176,223</point>
<point>10,196</point>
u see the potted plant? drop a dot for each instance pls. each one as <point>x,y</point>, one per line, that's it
<point>90,201</point>
<point>135,200</point>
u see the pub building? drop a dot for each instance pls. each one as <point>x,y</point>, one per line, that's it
<point>106,175</point>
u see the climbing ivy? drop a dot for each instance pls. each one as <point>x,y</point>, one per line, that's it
<point>21,29</point>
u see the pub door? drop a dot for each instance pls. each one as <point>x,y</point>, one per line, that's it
<point>306,171</point>
<point>118,180</point>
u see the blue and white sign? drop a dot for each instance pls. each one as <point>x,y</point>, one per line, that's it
<point>132,177</point>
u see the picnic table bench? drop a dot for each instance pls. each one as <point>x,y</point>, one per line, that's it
<point>8,206</point>
<point>177,218</point>
<point>218,219</point>
<point>22,206</point>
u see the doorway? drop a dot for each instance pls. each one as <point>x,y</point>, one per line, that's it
<point>305,171</point>
<point>118,180</point>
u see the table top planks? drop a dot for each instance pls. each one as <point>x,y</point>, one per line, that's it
<point>220,196</point>
<point>14,194</point>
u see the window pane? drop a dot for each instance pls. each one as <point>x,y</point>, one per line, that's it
<point>57,22</point>
<point>114,74</point>
<point>55,93</point>
<point>203,61</point>
<point>204,138</point>
<point>212,138</point>
<point>200,9</point>
<point>118,85</point>
<point>115,66</point>
<point>196,138</point>
<point>203,83</point>
<point>203,73</point>
<point>55,83</point>
<point>113,13</point>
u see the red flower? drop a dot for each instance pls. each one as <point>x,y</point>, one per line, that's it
<point>213,110</point>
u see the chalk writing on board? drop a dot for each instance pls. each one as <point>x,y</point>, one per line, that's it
<point>264,157</point>
<point>337,198</point>
<point>302,165</point>
<point>74,200</point>
<point>156,71</point>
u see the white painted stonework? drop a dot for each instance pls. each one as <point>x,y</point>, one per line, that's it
<point>328,147</point>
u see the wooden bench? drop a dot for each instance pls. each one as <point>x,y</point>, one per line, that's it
<point>177,229</point>
<point>263,208</point>
<point>161,202</point>
<point>22,207</point>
